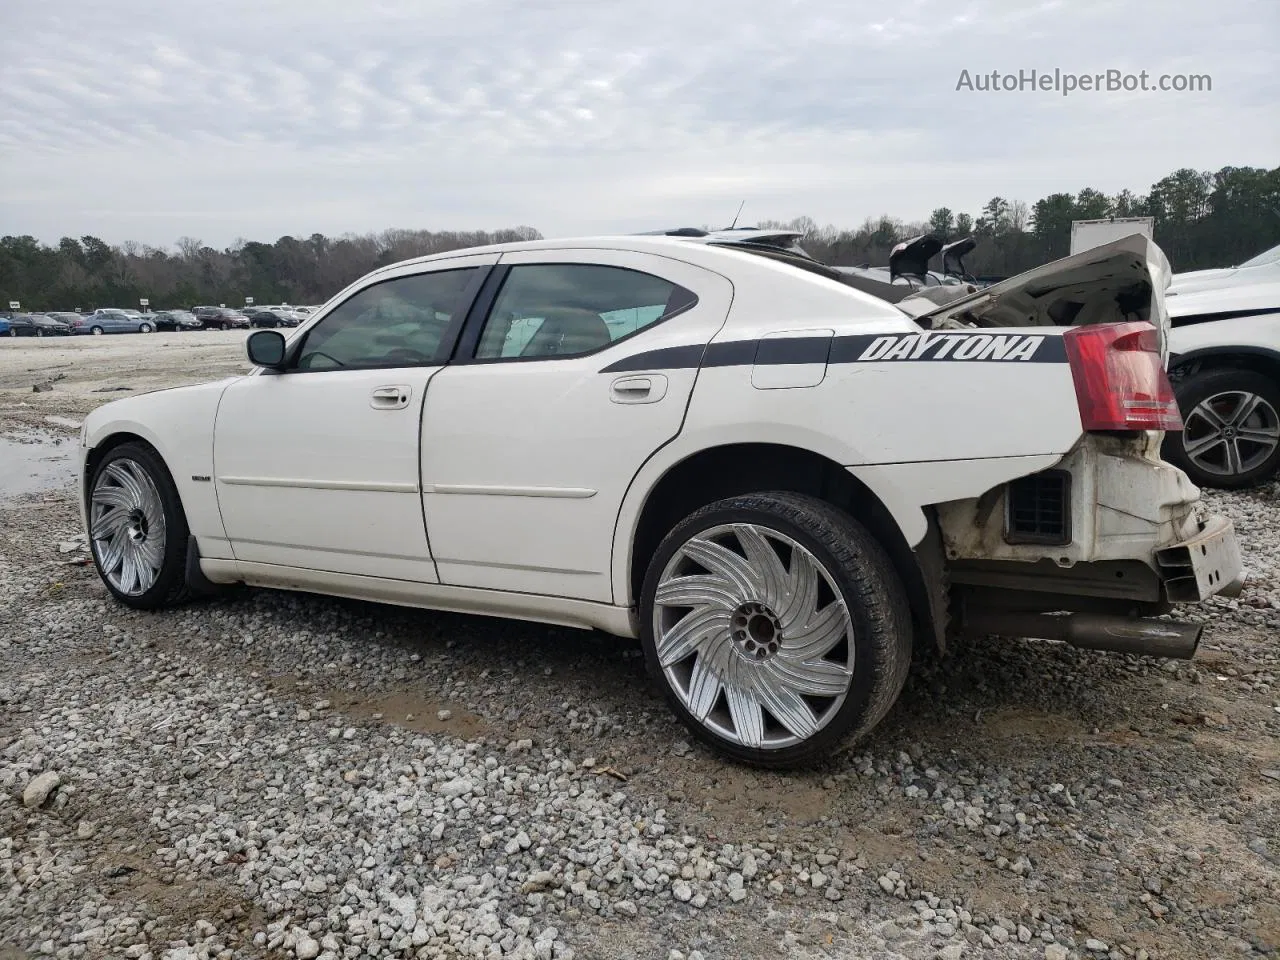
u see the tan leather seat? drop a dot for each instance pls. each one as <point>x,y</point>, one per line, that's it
<point>568,332</point>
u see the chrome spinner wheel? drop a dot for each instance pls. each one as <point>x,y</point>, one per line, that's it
<point>127,527</point>
<point>753,637</point>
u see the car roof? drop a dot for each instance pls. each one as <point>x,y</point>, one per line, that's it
<point>718,251</point>
<point>707,248</point>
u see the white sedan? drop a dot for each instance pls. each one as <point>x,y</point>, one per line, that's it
<point>780,483</point>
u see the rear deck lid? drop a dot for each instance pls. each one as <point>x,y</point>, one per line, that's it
<point>1120,281</point>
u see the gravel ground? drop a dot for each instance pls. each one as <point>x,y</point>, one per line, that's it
<point>277,775</point>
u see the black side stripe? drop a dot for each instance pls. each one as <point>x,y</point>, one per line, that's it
<point>667,358</point>
<point>1192,318</point>
<point>944,346</point>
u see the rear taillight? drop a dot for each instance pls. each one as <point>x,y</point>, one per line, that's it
<point>1120,381</point>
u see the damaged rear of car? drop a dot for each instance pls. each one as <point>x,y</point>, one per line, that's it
<point>1091,550</point>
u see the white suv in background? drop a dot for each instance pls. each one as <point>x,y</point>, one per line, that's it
<point>1224,361</point>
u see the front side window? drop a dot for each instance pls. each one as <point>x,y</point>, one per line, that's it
<point>570,309</point>
<point>397,322</point>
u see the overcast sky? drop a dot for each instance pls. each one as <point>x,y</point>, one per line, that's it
<point>141,120</point>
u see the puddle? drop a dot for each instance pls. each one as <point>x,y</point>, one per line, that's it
<point>35,462</point>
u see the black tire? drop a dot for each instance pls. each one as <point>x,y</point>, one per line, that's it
<point>224,326</point>
<point>144,328</point>
<point>170,587</point>
<point>1214,467</point>
<point>39,331</point>
<point>96,331</point>
<point>857,566</point>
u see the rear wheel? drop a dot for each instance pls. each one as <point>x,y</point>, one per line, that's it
<point>776,626</point>
<point>145,328</point>
<point>137,528</point>
<point>1231,434</point>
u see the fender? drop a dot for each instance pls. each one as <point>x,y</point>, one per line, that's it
<point>179,424</point>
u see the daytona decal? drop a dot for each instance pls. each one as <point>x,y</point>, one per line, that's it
<point>952,346</point>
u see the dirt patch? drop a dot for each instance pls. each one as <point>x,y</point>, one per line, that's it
<point>411,710</point>
<point>1022,723</point>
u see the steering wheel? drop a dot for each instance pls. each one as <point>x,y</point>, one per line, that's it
<point>409,355</point>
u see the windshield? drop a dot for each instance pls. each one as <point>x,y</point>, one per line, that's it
<point>1270,256</point>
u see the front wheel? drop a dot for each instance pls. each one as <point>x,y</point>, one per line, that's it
<point>776,626</point>
<point>137,529</point>
<point>145,328</point>
<point>1231,433</point>
<point>39,331</point>
<point>96,331</point>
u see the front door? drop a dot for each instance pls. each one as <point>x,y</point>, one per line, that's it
<point>533,433</point>
<point>317,466</point>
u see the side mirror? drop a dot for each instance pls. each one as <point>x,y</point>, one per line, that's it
<point>266,349</point>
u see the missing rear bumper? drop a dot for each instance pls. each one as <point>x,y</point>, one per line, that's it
<point>1206,565</point>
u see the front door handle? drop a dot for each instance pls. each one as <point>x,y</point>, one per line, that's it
<point>649,388</point>
<point>390,397</point>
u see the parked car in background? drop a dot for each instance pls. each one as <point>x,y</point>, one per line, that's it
<point>36,325</point>
<point>116,320</point>
<point>220,318</point>
<point>178,321</point>
<point>1224,361</point>
<point>67,317</point>
<point>273,317</point>
<point>4,326</point>
<point>1264,268</point>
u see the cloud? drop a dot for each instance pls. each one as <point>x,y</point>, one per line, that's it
<point>147,120</point>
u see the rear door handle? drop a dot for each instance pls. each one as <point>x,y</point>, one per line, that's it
<point>391,397</point>
<point>649,388</point>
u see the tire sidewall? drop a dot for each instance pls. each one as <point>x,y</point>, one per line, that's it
<point>173,571</point>
<point>1199,387</point>
<point>859,702</point>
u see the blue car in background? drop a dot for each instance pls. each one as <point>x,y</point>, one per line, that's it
<point>113,320</point>
<point>4,326</point>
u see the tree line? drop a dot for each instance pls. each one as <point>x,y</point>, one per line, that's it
<point>1202,219</point>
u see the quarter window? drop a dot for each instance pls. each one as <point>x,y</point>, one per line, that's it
<point>396,323</point>
<point>570,309</point>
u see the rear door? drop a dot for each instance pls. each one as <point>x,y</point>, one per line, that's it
<point>575,366</point>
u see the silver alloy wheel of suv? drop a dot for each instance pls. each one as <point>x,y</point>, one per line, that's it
<point>1231,427</point>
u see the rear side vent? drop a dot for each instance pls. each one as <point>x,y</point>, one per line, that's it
<point>1038,508</point>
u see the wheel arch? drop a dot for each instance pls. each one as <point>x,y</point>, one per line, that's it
<point>1240,357</point>
<point>94,454</point>
<point>732,469</point>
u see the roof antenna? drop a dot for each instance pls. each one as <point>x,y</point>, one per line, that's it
<point>737,215</point>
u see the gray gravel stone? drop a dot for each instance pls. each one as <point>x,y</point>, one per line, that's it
<point>39,789</point>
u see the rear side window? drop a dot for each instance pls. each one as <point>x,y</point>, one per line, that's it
<point>557,310</point>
